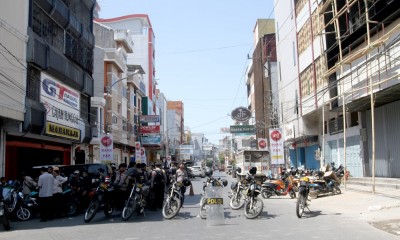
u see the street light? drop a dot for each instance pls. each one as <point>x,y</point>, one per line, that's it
<point>108,90</point>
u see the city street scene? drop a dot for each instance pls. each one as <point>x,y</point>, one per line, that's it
<point>132,119</point>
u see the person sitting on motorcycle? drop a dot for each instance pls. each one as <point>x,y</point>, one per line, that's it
<point>76,183</point>
<point>121,183</point>
<point>28,184</point>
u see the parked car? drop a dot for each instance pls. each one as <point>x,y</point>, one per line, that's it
<point>198,171</point>
<point>92,169</point>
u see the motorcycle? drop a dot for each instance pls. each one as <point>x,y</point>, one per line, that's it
<point>254,205</point>
<point>14,201</point>
<point>136,201</point>
<point>102,196</point>
<point>4,216</point>
<point>302,199</point>
<point>172,203</point>
<point>214,182</point>
<point>279,187</point>
<point>237,195</point>
<point>329,184</point>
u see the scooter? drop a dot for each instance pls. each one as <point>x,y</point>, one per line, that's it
<point>278,187</point>
<point>329,184</point>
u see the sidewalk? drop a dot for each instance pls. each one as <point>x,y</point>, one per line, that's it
<point>381,210</point>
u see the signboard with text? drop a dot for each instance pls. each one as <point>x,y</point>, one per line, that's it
<point>62,102</point>
<point>250,129</point>
<point>276,146</point>
<point>150,129</point>
<point>106,148</point>
<point>149,118</point>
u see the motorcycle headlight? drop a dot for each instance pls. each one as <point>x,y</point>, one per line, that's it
<point>137,189</point>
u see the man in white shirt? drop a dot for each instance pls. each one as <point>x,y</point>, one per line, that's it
<point>46,185</point>
<point>58,201</point>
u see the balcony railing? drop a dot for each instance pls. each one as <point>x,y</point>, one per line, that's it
<point>116,57</point>
<point>125,38</point>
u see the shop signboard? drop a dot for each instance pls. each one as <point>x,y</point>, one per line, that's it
<point>149,118</point>
<point>151,140</point>
<point>150,129</point>
<point>276,146</point>
<point>106,148</point>
<point>249,129</point>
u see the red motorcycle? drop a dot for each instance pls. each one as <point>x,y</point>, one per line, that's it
<point>278,187</point>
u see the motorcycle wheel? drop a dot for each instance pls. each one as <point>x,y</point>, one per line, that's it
<point>203,209</point>
<point>292,194</point>
<point>171,207</point>
<point>254,211</point>
<point>23,214</point>
<point>236,202</point>
<point>337,190</point>
<point>108,209</point>
<point>71,209</point>
<point>300,205</point>
<point>128,209</point>
<point>92,210</point>
<point>266,194</point>
<point>6,222</point>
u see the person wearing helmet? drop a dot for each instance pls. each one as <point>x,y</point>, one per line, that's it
<point>181,175</point>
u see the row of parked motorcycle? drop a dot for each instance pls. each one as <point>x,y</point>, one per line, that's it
<point>306,182</point>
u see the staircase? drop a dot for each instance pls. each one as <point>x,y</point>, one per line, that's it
<point>386,186</point>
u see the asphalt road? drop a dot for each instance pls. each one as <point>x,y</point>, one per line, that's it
<point>278,221</point>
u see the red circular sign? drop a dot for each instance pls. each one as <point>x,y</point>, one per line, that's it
<point>262,143</point>
<point>106,141</point>
<point>276,135</point>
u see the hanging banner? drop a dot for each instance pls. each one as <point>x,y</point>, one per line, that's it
<point>276,146</point>
<point>106,148</point>
<point>143,155</point>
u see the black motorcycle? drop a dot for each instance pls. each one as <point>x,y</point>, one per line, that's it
<point>254,205</point>
<point>14,201</point>
<point>302,199</point>
<point>102,196</point>
<point>237,195</point>
<point>4,215</point>
<point>136,201</point>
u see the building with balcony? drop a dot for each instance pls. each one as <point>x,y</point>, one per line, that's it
<point>119,86</point>
<point>52,46</point>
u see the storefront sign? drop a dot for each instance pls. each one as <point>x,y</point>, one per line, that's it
<point>149,118</point>
<point>59,130</point>
<point>241,114</point>
<point>262,144</point>
<point>62,102</point>
<point>250,129</point>
<point>289,131</point>
<point>151,140</point>
<point>150,129</point>
<point>106,148</point>
<point>276,146</point>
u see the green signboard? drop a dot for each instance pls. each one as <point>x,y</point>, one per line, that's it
<point>243,129</point>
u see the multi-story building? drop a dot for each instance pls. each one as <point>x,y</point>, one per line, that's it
<point>175,129</point>
<point>140,29</point>
<point>341,50</point>
<point>258,83</point>
<point>55,63</point>
<point>118,85</point>
<point>162,105</point>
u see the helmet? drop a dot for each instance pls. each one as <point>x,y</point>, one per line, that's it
<point>253,170</point>
<point>224,182</point>
<point>208,171</point>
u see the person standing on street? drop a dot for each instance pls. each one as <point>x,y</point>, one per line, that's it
<point>58,201</point>
<point>181,175</point>
<point>45,184</point>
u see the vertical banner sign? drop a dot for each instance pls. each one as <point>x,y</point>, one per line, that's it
<point>276,146</point>
<point>262,144</point>
<point>143,154</point>
<point>138,155</point>
<point>106,148</point>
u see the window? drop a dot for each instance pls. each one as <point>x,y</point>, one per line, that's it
<point>33,88</point>
<point>85,107</point>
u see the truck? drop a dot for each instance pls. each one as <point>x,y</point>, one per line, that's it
<point>246,159</point>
